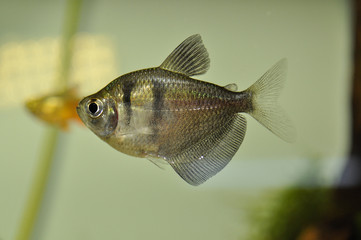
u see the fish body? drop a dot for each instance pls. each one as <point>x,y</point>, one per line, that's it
<point>55,108</point>
<point>164,113</point>
<point>154,112</point>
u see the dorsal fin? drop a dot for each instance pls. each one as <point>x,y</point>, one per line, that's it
<point>190,57</point>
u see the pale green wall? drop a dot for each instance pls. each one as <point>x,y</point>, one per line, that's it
<point>98,193</point>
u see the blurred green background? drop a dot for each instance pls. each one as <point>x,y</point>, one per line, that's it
<point>95,192</point>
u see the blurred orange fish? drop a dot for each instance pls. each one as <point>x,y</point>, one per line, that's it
<point>56,108</point>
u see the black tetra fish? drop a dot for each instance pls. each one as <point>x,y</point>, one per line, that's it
<point>193,125</point>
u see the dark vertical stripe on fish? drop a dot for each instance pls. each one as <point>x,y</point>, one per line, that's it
<point>158,104</point>
<point>127,91</point>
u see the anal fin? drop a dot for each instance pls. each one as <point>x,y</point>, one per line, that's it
<point>209,156</point>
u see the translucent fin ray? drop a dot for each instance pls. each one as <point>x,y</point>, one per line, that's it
<point>265,108</point>
<point>159,162</point>
<point>190,57</point>
<point>209,156</point>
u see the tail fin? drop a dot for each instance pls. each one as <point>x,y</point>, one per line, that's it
<point>265,109</point>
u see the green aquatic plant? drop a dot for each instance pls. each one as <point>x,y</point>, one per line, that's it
<point>289,213</point>
<point>286,213</point>
<point>50,140</point>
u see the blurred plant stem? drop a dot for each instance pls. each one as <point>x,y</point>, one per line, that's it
<point>39,182</point>
<point>66,51</point>
<point>38,185</point>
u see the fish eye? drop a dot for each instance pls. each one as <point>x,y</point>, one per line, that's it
<point>95,108</point>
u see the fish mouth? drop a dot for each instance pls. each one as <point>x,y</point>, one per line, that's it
<point>79,112</point>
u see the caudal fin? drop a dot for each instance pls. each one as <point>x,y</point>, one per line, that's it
<point>265,108</point>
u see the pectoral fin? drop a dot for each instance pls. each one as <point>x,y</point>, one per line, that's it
<point>209,156</point>
<point>159,162</point>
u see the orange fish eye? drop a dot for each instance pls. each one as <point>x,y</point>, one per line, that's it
<point>95,107</point>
